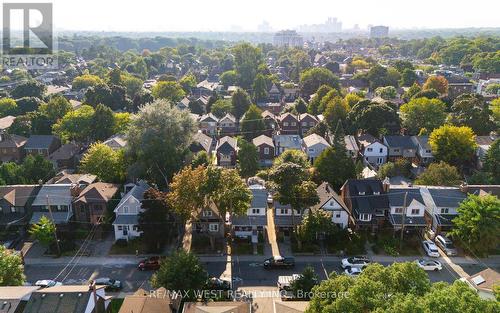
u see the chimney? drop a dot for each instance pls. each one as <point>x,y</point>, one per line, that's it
<point>464,187</point>
<point>386,184</point>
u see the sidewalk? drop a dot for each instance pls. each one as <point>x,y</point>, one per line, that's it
<point>271,232</point>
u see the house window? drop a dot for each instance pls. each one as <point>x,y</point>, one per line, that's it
<point>428,151</point>
<point>266,150</point>
<point>398,210</point>
<point>380,160</point>
<point>415,211</point>
<point>445,210</point>
<point>120,227</point>
<point>213,227</point>
<point>13,209</point>
<point>255,211</point>
<point>361,193</point>
<point>285,123</point>
<point>337,215</point>
<point>207,213</point>
<point>311,149</point>
<point>304,123</point>
<point>125,209</point>
<point>381,150</point>
<point>376,193</point>
<point>364,217</point>
<point>283,211</point>
<point>294,124</point>
<point>369,149</point>
<point>395,150</point>
<point>135,227</point>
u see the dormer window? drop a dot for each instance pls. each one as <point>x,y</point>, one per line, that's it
<point>361,193</point>
<point>207,213</point>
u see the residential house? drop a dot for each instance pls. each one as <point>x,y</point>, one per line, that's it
<point>54,201</point>
<point>13,299</point>
<point>208,124</point>
<point>307,121</point>
<point>6,122</point>
<point>480,190</point>
<point>41,144</point>
<point>351,146</point>
<point>265,147</point>
<point>207,220</point>
<point>116,142</point>
<point>313,145</point>
<point>183,104</point>
<point>270,121</point>
<point>15,204</point>
<point>283,218</point>
<point>424,150</point>
<point>81,180</point>
<point>289,124</point>
<point>274,94</point>
<point>206,88</point>
<point>291,93</point>
<point>458,85</point>
<point>484,283</point>
<point>400,147</point>
<point>332,203</point>
<point>227,125</point>
<point>226,151</point>
<point>68,298</point>
<point>217,307</point>
<point>65,156</point>
<point>11,147</point>
<point>153,301</point>
<point>92,202</point>
<point>373,151</point>
<point>441,206</point>
<point>126,224</point>
<point>255,221</point>
<point>202,142</point>
<point>413,210</point>
<point>367,202</point>
<point>286,142</point>
<point>290,306</point>
<point>483,145</point>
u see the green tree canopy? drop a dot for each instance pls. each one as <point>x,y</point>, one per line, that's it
<point>423,113</point>
<point>104,162</point>
<point>311,79</point>
<point>11,268</point>
<point>171,91</point>
<point>453,144</point>
<point>248,158</point>
<point>44,231</point>
<point>241,102</point>
<point>439,174</point>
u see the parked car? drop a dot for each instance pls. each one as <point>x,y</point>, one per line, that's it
<point>279,262</point>
<point>355,262</point>
<point>111,284</point>
<point>446,245</point>
<point>152,263</point>
<point>429,265</point>
<point>430,248</point>
<point>269,198</point>
<point>45,283</point>
<point>214,283</point>
<point>353,271</point>
<point>285,282</point>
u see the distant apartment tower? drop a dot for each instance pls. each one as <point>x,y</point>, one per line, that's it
<point>288,38</point>
<point>379,31</point>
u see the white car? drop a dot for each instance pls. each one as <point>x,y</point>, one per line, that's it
<point>353,271</point>
<point>429,265</point>
<point>45,283</point>
<point>355,262</point>
<point>430,248</point>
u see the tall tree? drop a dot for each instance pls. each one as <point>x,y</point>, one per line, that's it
<point>76,125</point>
<point>248,158</point>
<point>252,124</point>
<point>107,164</point>
<point>259,88</point>
<point>312,79</point>
<point>471,110</point>
<point>44,231</point>
<point>492,162</point>
<point>438,83</point>
<point>11,268</point>
<point>305,283</point>
<point>452,144</point>
<point>293,156</point>
<point>171,91</point>
<point>247,59</point>
<point>439,174</point>
<point>423,113</point>
<point>31,88</point>
<point>241,102</point>
<point>36,168</point>
<point>335,112</point>
<point>104,122</point>
<point>187,194</point>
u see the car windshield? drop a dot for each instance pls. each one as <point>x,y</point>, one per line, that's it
<point>449,245</point>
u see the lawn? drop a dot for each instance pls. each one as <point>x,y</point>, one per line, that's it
<point>386,242</point>
<point>242,246</point>
<point>114,305</point>
<point>201,245</point>
<point>130,248</point>
<point>346,244</point>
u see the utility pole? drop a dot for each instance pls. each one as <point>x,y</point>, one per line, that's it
<point>403,222</point>
<point>53,221</point>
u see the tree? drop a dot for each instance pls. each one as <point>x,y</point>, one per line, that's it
<point>334,165</point>
<point>158,140</point>
<point>423,113</point>
<point>36,168</point>
<point>55,108</point>
<point>44,231</point>
<point>187,194</point>
<point>387,92</point>
<point>315,224</point>
<point>155,220</point>
<point>408,78</point>
<point>121,122</point>
<point>495,110</point>
<point>31,88</point>
<point>400,167</point>
<point>76,125</point>
<point>171,91</point>
<point>300,106</point>
<point>221,107</point>
<point>351,99</point>
<point>107,164</point>
<point>241,102</point>
<point>478,223</point>
<point>247,59</point>
<point>452,144</point>
<point>492,162</point>
<point>11,173</point>
<point>311,79</point>
<point>410,92</point>
<point>293,156</point>
<point>259,88</point>
<point>8,106</point>
<point>182,271</point>
<point>374,118</point>
<point>379,76</point>
<point>11,268</point>
<point>314,104</point>
<point>305,283</point>
<point>439,174</point>
<point>200,158</point>
<point>472,111</point>
<point>248,158</point>
<point>104,122</point>
<point>133,85</point>
<point>188,82</point>
<point>438,83</point>
<point>27,104</point>
<point>335,112</point>
<point>85,81</point>
<point>252,124</point>
<point>229,78</point>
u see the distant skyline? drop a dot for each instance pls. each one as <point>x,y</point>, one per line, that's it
<point>231,15</point>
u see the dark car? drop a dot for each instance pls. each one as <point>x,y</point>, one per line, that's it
<point>279,262</point>
<point>215,283</point>
<point>152,263</point>
<point>111,284</point>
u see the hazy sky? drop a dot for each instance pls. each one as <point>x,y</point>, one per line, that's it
<point>206,15</point>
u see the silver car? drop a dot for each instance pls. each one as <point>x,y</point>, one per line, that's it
<point>446,245</point>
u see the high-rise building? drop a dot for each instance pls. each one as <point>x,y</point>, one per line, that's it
<point>288,38</point>
<point>379,31</point>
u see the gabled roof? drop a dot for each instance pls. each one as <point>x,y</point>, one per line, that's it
<point>263,139</point>
<point>137,192</point>
<point>485,280</point>
<point>259,196</point>
<point>315,139</point>
<point>367,201</point>
<point>57,194</point>
<point>12,141</point>
<point>203,140</point>
<point>350,143</point>
<point>404,142</point>
<point>18,195</point>
<point>286,115</point>
<point>397,195</point>
<point>6,121</point>
<point>482,190</point>
<point>366,140</point>
<point>73,179</point>
<point>267,114</point>
<point>116,140</point>
<point>229,117</point>
<point>40,141</point>
<point>98,192</point>
<point>226,139</point>
<point>208,117</point>
<point>325,193</point>
<point>307,115</point>
<point>422,141</point>
<point>65,152</point>
<point>485,141</point>
<point>446,197</point>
